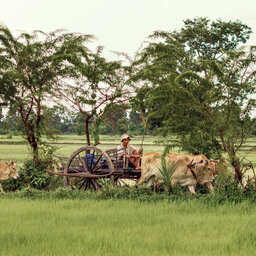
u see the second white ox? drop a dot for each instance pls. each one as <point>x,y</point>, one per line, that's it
<point>190,170</point>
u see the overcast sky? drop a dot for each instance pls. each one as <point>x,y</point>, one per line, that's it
<point>120,25</point>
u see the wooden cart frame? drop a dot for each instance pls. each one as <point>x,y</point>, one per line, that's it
<point>86,167</point>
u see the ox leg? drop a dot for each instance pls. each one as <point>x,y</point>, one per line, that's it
<point>209,186</point>
<point>140,180</point>
<point>143,178</point>
<point>150,181</point>
<point>192,189</point>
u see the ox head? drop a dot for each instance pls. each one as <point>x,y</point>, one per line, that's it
<point>219,166</point>
<point>13,170</point>
<point>203,171</point>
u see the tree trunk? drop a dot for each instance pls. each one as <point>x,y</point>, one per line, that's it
<point>96,132</point>
<point>30,131</point>
<point>32,140</point>
<point>87,130</point>
<point>235,162</point>
<point>237,167</point>
<point>114,130</point>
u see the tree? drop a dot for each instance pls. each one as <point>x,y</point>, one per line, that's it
<point>200,85</point>
<point>116,117</point>
<point>1,121</point>
<point>100,83</point>
<point>61,120</point>
<point>32,67</point>
<point>12,122</point>
<point>135,123</point>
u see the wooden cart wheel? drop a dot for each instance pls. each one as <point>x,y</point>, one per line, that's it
<point>91,162</point>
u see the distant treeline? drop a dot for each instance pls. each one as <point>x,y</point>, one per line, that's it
<point>119,121</point>
<point>63,122</point>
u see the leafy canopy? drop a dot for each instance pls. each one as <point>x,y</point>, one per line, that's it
<point>198,84</point>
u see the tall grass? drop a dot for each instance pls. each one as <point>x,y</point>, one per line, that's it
<point>167,170</point>
<point>76,227</point>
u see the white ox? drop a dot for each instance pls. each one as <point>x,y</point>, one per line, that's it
<point>8,169</point>
<point>190,170</point>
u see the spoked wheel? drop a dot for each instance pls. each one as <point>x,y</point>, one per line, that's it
<point>86,166</point>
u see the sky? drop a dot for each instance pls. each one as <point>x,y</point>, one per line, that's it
<point>120,25</point>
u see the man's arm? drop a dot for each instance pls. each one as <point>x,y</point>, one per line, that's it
<point>136,153</point>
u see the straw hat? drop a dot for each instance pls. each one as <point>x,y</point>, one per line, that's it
<point>125,136</point>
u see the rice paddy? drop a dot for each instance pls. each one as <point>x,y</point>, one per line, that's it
<point>124,227</point>
<point>75,227</point>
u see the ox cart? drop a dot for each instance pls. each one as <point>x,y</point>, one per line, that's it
<point>87,166</point>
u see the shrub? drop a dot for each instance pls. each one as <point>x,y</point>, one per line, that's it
<point>12,184</point>
<point>9,136</point>
<point>35,174</point>
<point>34,170</point>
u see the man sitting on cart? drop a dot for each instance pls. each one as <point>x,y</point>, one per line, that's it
<point>132,153</point>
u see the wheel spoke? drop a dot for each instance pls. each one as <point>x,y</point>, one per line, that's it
<point>96,169</point>
<point>82,184</point>
<point>91,166</point>
<point>100,167</point>
<point>79,181</point>
<point>82,162</point>
<point>87,185</point>
<point>92,170</point>
<point>94,184</point>
<point>86,159</point>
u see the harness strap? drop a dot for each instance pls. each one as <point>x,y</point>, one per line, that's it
<point>194,174</point>
<point>189,166</point>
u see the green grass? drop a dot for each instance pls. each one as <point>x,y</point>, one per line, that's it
<point>13,152</point>
<point>67,144</point>
<point>76,227</point>
<point>108,227</point>
<point>72,138</point>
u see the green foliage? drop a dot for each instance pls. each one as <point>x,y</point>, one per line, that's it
<point>12,123</point>
<point>206,40</point>
<point>106,187</point>
<point>34,171</point>
<point>224,193</point>
<point>35,174</point>
<point>135,123</point>
<point>101,84</point>
<point>198,141</point>
<point>198,85</point>
<point>33,67</point>
<point>167,170</point>
<point>9,136</point>
<point>14,184</point>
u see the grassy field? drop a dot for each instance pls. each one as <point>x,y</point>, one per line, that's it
<point>124,227</point>
<point>16,148</point>
<point>75,227</point>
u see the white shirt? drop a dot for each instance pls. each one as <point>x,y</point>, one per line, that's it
<point>129,150</point>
